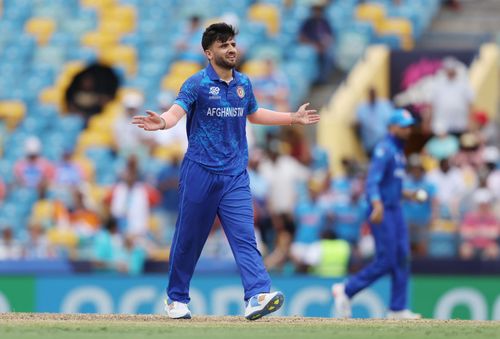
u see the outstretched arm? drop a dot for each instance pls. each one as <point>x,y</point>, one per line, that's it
<point>154,121</point>
<point>268,117</point>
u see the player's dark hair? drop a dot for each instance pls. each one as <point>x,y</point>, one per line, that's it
<point>217,32</point>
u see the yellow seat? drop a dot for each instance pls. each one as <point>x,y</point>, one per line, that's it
<point>112,109</point>
<point>268,14</point>
<point>168,153</point>
<point>12,112</point>
<point>85,164</point>
<point>173,82</point>
<point>101,123</point>
<point>116,27</point>
<point>68,74</point>
<point>63,237</point>
<point>254,68</point>
<point>41,28</point>
<point>179,72</point>
<point>72,68</point>
<point>120,55</point>
<point>401,27</point>
<point>42,210</point>
<point>444,226</point>
<point>184,68</point>
<point>160,253</point>
<point>119,19</point>
<point>99,39</point>
<point>51,95</point>
<point>89,139</point>
<point>97,193</point>
<point>374,13</point>
<point>100,5</point>
<point>429,163</point>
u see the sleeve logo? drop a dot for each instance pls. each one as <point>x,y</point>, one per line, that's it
<point>240,91</point>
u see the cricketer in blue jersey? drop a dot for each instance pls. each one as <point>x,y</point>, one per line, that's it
<point>384,191</point>
<point>218,101</point>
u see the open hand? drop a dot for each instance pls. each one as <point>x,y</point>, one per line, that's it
<point>150,122</point>
<point>305,116</point>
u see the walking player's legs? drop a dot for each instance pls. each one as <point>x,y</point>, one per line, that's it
<point>199,198</point>
<point>236,215</point>
<point>385,256</point>
<point>400,272</point>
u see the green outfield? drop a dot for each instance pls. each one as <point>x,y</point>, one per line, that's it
<point>45,326</point>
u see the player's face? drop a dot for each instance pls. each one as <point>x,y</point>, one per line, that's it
<point>399,132</point>
<point>403,132</point>
<point>223,54</point>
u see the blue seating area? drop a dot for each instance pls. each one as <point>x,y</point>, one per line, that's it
<point>355,33</point>
<point>33,61</point>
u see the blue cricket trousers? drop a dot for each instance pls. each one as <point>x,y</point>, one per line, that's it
<point>392,256</point>
<point>203,195</point>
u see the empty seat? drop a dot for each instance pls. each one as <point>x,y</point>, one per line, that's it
<point>99,40</point>
<point>89,139</point>
<point>254,68</point>
<point>372,12</point>
<point>267,14</point>
<point>401,27</point>
<point>121,55</point>
<point>12,112</point>
<point>41,28</point>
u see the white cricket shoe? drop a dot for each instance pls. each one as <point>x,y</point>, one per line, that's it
<point>177,310</point>
<point>403,314</point>
<point>342,302</point>
<point>262,304</point>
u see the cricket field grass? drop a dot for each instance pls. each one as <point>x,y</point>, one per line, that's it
<point>79,326</point>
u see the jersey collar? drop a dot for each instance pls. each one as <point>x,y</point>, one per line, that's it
<point>212,74</point>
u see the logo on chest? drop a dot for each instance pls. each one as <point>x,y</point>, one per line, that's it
<point>214,92</point>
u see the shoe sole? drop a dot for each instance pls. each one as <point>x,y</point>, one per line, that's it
<point>272,306</point>
<point>185,316</point>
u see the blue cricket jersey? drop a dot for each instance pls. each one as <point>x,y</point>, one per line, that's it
<point>216,120</point>
<point>386,172</point>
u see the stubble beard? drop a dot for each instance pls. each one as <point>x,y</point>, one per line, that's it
<point>223,63</point>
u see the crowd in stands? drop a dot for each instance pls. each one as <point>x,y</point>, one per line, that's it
<point>116,206</point>
<point>457,165</point>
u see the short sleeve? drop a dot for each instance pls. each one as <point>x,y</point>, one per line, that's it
<point>252,105</point>
<point>187,95</point>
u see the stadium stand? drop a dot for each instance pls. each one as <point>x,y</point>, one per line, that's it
<point>44,44</point>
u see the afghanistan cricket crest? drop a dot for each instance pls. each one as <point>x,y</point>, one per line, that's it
<point>240,91</point>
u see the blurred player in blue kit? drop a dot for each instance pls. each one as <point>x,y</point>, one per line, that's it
<point>218,100</point>
<point>384,190</point>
